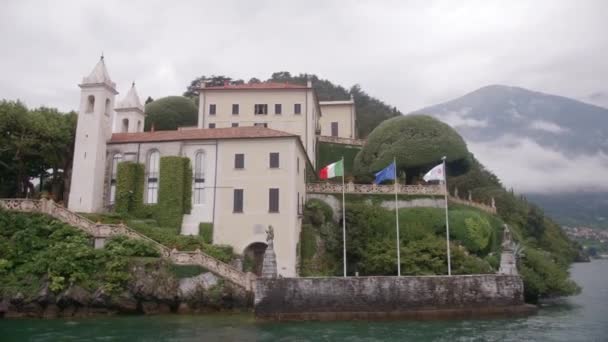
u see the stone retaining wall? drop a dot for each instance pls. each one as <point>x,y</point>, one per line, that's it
<point>387,297</point>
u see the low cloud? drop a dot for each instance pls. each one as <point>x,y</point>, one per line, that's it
<point>528,167</point>
<point>541,125</point>
<point>460,119</point>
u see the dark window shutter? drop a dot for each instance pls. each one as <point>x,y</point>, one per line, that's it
<point>211,125</point>
<point>297,108</point>
<point>334,129</point>
<point>273,203</point>
<point>238,201</point>
<point>277,108</point>
<point>239,161</point>
<point>274,160</point>
<point>211,109</point>
<point>235,124</point>
<point>235,109</point>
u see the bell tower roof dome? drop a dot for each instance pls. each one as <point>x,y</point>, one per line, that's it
<point>99,76</point>
<point>131,101</point>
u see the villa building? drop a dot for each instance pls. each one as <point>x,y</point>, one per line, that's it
<point>249,155</point>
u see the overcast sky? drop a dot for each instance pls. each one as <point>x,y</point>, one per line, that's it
<point>409,53</point>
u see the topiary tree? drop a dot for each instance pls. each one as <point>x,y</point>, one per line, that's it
<point>416,141</point>
<point>170,112</point>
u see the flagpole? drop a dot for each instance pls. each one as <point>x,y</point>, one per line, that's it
<point>343,219</point>
<point>447,221</point>
<point>397,220</point>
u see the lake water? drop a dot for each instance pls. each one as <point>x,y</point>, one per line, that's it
<point>580,318</point>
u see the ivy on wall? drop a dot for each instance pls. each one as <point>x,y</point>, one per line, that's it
<point>205,230</point>
<point>129,188</point>
<point>187,186</point>
<point>174,191</point>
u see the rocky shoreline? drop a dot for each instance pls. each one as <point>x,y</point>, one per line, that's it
<point>149,292</point>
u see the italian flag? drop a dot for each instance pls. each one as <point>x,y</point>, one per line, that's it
<point>332,170</point>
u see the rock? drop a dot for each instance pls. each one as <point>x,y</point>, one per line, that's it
<point>74,296</point>
<point>190,287</point>
<point>17,299</point>
<point>100,299</point>
<point>151,308</point>
<point>124,303</point>
<point>4,303</point>
<point>51,311</point>
<point>184,309</point>
<point>45,295</point>
<point>153,282</point>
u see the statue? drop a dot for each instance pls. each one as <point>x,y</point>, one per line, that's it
<point>508,257</point>
<point>270,235</point>
<point>470,196</point>
<point>456,192</point>
<point>269,264</point>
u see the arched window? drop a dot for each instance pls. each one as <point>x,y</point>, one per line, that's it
<point>199,178</point>
<point>107,109</point>
<point>117,158</point>
<point>90,104</point>
<point>125,125</point>
<point>152,177</point>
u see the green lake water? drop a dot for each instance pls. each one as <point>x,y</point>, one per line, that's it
<point>580,318</point>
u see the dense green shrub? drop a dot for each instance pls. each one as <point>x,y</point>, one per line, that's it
<point>122,245</point>
<point>34,247</point>
<point>416,141</point>
<point>172,204</point>
<point>329,153</point>
<point>543,276</point>
<point>205,230</point>
<point>187,186</point>
<point>129,188</point>
<point>171,112</point>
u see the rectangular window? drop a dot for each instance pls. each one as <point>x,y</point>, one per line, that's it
<point>260,109</point>
<point>274,160</point>
<point>273,200</point>
<point>298,207</point>
<point>211,125</point>
<point>235,109</point>
<point>334,129</point>
<point>298,164</point>
<point>278,108</point>
<point>238,201</point>
<point>239,161</point>
<point>235,124</point>
<point>152,190</point>
<point>211,109</point>
<point>297,108</point>
<point>260,124</point>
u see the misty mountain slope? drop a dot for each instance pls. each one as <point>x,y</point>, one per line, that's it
<point>559,123</point>
<point>538,144</point>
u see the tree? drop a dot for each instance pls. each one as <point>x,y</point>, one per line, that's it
<point>149,99</point>
<point>34,142</point>
<point>171,112</point>
<point>418,142</point>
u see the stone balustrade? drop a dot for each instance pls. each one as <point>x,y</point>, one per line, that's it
<point>351,188</point>
<point>104,231</point>
<point>344,141</point>
<point>402,189</point>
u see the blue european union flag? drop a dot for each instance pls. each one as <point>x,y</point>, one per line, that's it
<point>386,173</point>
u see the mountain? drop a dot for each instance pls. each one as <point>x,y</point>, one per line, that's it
<point>552,148</point>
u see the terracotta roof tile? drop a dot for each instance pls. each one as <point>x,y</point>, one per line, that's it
<point>199,134</point>
<point>263,85</point>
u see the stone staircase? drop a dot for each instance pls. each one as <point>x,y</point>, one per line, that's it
<point>104,231</point>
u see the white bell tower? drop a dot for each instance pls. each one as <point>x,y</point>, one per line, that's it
<point>130,115</point>
<point>93,130</point>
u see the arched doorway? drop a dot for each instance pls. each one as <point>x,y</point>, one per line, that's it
<point>253,258</point>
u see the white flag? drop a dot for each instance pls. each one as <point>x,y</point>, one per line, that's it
<point>436,173</point>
